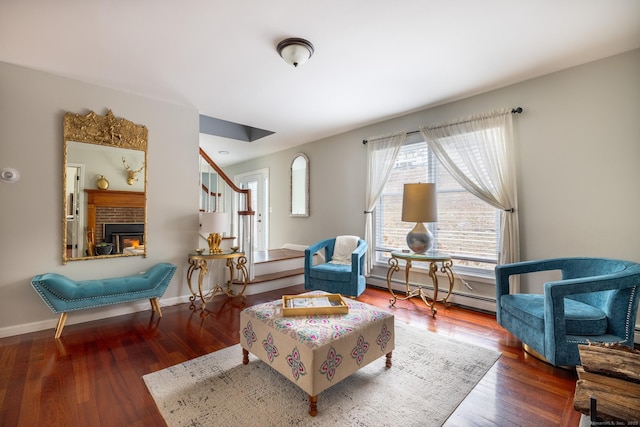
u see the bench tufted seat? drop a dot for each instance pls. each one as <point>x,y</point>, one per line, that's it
<point>62,294</point>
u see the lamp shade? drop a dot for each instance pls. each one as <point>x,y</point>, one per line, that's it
<point>214,222</point>
<point>419,203</point>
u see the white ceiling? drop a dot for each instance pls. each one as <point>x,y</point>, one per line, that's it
<point>374,59</point>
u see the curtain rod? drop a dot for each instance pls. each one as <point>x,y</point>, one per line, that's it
<point>516,110</point>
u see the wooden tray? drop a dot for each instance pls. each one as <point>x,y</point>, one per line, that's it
<point>311,305</point>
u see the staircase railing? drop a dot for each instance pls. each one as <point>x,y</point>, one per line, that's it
<point>216,200</point>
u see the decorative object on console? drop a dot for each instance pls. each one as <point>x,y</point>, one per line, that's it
<point>295,51</point>
<point>214,223</point>
<point>102,183</point>
<point>419,206</point>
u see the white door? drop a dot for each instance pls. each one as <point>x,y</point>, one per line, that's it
<point>258,183</point>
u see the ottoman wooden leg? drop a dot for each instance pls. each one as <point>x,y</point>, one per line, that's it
<point>388,363</point>
<point>313,405</point>
<point>245,357</point>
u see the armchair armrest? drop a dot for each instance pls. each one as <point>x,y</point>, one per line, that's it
<point>555,292</point>
<point>311,250</point>
<point>357,259</point>
<point>505,270</point>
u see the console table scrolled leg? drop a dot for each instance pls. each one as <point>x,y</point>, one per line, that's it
<point>203,272</point>
<point>193,266</point>
<point>230,266</point>
<point>245,357</point>
<point>313,405</point>
<point>446,268</point>
<point>433,268</point>
<point>393,267</point>
<point>242,267</point>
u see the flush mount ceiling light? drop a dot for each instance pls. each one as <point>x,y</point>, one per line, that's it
<point>295,51</point>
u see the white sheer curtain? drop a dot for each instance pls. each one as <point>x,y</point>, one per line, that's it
<point>479,154</point>
<point>381,156</point>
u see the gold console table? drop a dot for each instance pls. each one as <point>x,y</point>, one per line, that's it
<point>199,262</point>
<point>433,258</point>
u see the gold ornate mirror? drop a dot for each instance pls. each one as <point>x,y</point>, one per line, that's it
<point>299,203</point>
<point>104,187</point>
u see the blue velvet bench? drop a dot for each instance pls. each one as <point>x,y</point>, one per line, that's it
<point>62,294</point>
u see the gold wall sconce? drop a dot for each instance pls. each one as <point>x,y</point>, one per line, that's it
<point>131,174</point>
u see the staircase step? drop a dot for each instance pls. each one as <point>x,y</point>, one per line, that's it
<point>276,260</point>
<point>275,269</point>
<point>277,275</point>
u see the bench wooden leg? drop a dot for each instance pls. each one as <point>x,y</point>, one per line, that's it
<point>388,363</point>
<point>155,306</point>
<point>61,322</point>
<point>245,357</point>
<point>313,405</point>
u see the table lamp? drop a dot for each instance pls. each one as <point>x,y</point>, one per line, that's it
<point>419,206</point>
<point>214,223</point>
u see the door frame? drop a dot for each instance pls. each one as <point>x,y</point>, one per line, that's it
<point>261,208</point>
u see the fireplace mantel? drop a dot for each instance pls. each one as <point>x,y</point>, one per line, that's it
<point>111,199</point>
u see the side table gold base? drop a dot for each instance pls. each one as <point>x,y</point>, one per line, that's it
<point>198,262</point>
<point>432,259</point>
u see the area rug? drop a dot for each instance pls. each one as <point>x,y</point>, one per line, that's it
<point>430,376</point>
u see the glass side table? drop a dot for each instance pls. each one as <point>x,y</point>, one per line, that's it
<point>433,258</point>
<point>199,262</point>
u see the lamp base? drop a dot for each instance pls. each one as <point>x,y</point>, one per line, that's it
<point>214,241</point>
<point>419,239</point>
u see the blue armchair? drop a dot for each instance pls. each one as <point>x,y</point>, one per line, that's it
<point>342,279</point>
<point>596,300</point>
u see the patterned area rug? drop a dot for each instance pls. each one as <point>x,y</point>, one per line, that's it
<point>431,375</point>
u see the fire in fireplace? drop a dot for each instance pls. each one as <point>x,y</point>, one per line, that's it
<point>124,235</point>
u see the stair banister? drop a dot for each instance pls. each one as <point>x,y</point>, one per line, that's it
<point>245,216</point>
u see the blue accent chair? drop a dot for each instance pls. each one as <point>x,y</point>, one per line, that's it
<point>62,294</point>
<point>596,300</point>
<point>347,280</point>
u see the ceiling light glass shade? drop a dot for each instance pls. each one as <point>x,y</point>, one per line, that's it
<point>419,205</point>
<point>295,51</point>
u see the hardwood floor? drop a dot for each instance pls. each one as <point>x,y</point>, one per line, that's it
<point>91,376</point>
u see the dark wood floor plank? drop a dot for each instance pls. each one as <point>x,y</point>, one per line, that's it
<point>93,374</point>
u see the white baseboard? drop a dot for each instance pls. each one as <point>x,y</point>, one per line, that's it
<point>459,298</point>
<point>89,315</point>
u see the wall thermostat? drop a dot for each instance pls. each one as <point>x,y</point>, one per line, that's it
<point>9,175</point>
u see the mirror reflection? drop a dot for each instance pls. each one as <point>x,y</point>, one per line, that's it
<point>300,185</point>
<point>105,177</point>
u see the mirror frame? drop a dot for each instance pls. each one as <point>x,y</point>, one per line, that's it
<point>306,189</point>
<point>106,131</point>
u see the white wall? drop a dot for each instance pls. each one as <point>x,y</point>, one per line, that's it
<point>578,149</point>
<point>32,106</point>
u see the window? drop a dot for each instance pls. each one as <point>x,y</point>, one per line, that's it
<point>468,229</point>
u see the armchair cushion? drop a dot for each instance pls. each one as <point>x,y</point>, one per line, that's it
<point>580,318</point>
<point>333,272</point>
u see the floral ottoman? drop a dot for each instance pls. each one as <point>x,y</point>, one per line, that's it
<point>315,352</point>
